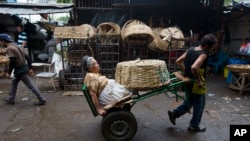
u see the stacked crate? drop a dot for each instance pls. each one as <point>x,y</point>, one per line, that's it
<point>108,48</point>
<point>77,41</point>
<point>108,57</point>
<point>136,36</point>
<point>73,71</point>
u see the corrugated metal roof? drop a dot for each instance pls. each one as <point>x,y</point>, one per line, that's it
<point>32,11</point>
<point>34,8</point>
<point>40,5</point>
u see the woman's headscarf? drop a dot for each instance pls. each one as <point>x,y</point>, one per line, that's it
<point>87,62</point>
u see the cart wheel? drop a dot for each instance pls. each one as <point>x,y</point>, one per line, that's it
<point>119,126</point>
<point>61,79</point>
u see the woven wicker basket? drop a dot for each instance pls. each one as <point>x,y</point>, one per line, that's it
<point>108,32</point>
<point>239,68</point>
<point>84,31</point>
<point>108,28</point>
<point>134,31</point>
<point>142,74</point>
<point>3,60</point>
<point>171,33</point>
<point>158,43</point>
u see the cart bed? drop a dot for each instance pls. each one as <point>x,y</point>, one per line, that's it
<point>176,84</point>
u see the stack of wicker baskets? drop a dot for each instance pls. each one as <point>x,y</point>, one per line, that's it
<point>239,68</point>
<point>108,28</point>
<point>84,31</point>
<point>136,32</point>
<point>142,74</point>
<point>108,32</point>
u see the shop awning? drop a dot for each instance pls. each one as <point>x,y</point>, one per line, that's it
<point>28,11</point>
<point>32,9</point>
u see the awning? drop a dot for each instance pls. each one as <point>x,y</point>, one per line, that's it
<point>30,11</point>
<point>34,8</point>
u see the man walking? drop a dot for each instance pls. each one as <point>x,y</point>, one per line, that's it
<point>193,63</point>
<point>22,70</point>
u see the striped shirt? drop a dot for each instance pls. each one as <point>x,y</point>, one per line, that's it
<point>22,37</point>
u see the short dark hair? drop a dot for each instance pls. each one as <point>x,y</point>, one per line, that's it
<point>209,40</point>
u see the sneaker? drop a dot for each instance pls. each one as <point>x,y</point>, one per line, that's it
<point>172,117</point>
<point>40,103</point>
<point>9,101</point>
<point>200,128</point>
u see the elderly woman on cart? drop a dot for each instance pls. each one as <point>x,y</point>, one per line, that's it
<point>103,91</point>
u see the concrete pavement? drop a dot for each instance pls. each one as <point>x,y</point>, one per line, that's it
<point>68,118</point>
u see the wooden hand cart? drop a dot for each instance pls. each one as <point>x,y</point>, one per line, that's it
<point>119,124</point>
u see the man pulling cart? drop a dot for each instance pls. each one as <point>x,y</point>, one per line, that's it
<point>118,122</point>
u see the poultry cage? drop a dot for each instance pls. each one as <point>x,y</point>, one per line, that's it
<point>76,42</point>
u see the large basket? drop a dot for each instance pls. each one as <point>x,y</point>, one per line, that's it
<point>108,28</point>
<point>142,74</point>
<point>173,36</point>
<point>84,31</point>
<point>136,32</point>
<point>108,32</point>
<point>239,68</point>
<point>158,43</point>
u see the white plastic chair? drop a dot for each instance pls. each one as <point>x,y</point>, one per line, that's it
<point>46,74</point>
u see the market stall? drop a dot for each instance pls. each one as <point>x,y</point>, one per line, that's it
<point>240,77</point>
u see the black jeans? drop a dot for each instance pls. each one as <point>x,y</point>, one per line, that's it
<point>197,101</point>
<point>28,82</point>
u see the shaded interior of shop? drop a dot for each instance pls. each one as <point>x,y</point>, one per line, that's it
<point>199,16</point>
<point>202,17</point>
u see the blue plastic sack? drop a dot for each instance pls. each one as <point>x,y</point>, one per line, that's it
<point>236,61</point>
